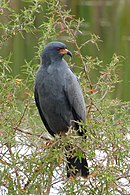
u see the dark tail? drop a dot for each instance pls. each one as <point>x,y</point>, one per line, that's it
<point>76,166</point>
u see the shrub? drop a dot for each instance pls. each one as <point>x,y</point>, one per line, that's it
<point>28,165</point>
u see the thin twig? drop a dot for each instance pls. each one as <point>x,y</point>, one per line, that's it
<point>31,134</point>
<point>20,121</point>
<point>49,185</point>
<point>15,168</point>
<point>74,39</point>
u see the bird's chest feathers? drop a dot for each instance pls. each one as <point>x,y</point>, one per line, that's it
<point>54,82</point>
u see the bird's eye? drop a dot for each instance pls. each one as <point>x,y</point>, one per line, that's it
<point>58,48</point>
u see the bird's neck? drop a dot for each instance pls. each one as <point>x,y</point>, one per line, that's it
<point>47,60</point>
<point>56,60</point>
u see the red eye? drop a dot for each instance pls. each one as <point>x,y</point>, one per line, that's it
<point>58,48</point>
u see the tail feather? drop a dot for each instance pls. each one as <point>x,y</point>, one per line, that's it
<point>76,166</point>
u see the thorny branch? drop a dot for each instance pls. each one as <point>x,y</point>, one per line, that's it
<point>22,116</point>
<point>31,134</point>
<point>15,168</point>
<point>73,36</point>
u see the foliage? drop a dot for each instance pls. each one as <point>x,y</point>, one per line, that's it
<point>29,165</point>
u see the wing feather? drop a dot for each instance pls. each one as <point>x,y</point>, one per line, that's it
<point>41,113</point>
<point>75,97</point>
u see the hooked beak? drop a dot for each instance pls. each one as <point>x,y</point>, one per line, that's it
<point>65,51</point>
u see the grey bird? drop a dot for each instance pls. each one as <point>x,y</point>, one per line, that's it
<point>59,99</point>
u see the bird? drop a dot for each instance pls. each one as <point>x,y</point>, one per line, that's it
<point>59,99</point>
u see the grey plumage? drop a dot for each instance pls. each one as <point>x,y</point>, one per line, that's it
<point>58,94</point>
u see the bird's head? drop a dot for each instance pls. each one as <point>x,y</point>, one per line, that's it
<point>55,50</point>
